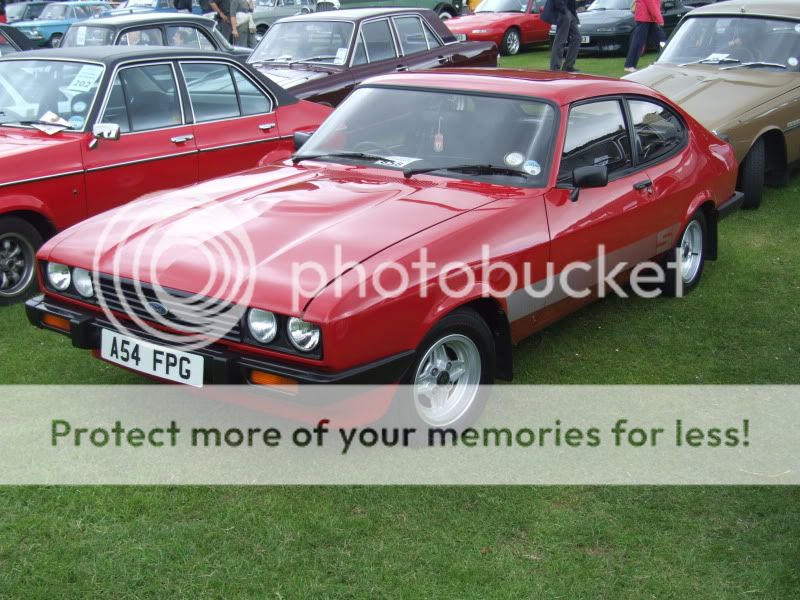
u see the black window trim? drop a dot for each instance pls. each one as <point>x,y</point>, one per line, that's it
<point>635,149</point>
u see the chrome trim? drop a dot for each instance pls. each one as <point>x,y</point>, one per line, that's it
<point>42,178</point>
<point>140,160</point>
<point>249,143</point>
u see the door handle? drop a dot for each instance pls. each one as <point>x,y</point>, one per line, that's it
<point>401,68</point>
<point>443,60</point>
<point>266,126</point>
<point>179,139</point>
<point>643,185</point>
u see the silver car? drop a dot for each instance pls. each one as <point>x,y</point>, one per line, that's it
<point>269,11</point>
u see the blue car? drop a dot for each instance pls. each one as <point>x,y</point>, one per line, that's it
<point>136,6</point>
<point>56,18</point>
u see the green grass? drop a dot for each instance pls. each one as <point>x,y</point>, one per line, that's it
<point>742,325</point>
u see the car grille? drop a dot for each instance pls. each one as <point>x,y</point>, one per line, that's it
<point>218,319</point>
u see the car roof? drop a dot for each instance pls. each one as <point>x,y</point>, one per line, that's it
<point>770,8</point>
<point>354,14</point>
<point>111,55</point>
<point>134,18</point>
<point>562,88</point>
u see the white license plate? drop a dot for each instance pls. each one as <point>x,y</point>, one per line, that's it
<point>461,37</point>
<point>155,360</point>
<point>585,39</point>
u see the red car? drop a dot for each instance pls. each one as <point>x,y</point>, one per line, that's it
<point>511,24</point>
<point>412,238</point>
<point>85,130</point>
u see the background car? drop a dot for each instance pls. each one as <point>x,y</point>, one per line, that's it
<point>471,165</point>
<point>12,40</point>
<point>446,9</point>
<point>152,5</point>
<point>24,11</point>
<point>511,24</point>
<point>151,29</point>
<point>322,56</point>
<point>124,129</point>
<point>606,25</point>
<point>269,11</point>
<point>55,19</point>
<point>735,66</point>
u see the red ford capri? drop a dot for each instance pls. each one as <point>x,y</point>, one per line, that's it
<point>83,130</point>
<point>433,221</point>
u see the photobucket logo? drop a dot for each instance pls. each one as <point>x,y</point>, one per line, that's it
<point>207,246</point>
<point>487,276</point>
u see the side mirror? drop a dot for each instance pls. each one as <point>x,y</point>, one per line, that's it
<point>593,176</point>
<point>300,138</point>
<point>104,131</point>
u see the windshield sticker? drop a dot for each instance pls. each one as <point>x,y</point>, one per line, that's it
<point>715,57</point>
<point>797,28</point>
<point>76,122</point>
<point>341,56</point>
<point>532,167</point>
<point>44,125</point>
<point>792,61</point>
<point>81,37</point>
<point>397,161</point>
<point>514,159</point>
<point>85,79</point>
<point>79,107</point>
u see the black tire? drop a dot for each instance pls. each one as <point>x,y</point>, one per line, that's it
<point>671,287</point>
<point>507,46</point>
<point>751,175</point>
<point>408,408</point>
<point>19,240</point>
<point>54,41</point>
<point>445,14</point>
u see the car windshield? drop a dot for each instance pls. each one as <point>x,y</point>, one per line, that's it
<point>502,6</point>
<point>83,35</point>
<point>610,5</point>
<point>6,47</point>
<point>55,10</point>
<point>309,41</point>
<point>16,10</point>
<point>731,42</point>
<point>500,140</point>
<point>29,89</point>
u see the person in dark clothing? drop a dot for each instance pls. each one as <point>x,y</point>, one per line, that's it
<point>565,17</point>
<point>182,5</point>
<point>223,10</point>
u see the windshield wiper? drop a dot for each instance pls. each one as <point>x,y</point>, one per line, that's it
<point>35,122</point>
<point>312,59</point>
<point>711,61</point>
<point>477,169</point>
<point>362,155</point>
<point>755,63</point>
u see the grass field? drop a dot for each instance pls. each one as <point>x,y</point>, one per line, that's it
<point>742,325</point>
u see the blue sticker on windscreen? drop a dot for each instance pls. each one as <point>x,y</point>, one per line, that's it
<point>532,167</point>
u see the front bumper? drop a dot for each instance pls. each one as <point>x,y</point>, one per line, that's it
<point>222,364</point>
<point>601,43</point>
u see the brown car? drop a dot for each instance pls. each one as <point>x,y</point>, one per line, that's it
<point>322,56</point>
<point>735,67</point>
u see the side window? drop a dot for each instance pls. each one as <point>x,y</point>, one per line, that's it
<point>596,135</point>
<point>211,91</point>
<point>360,53</point>
<point>657,130</point>
<point>188,37</point>
<point>144,98</point>
<point>411,34</point>
<point>252,100</point>
<point>433,42</point>
<point>5,46</point>
<point>142,37</point>
<point>378,38</point>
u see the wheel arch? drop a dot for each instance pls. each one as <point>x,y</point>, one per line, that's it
<point>775,156</point>
<point>444,7</point>
<point>42,224</point>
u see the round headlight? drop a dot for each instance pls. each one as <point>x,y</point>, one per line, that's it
<point>262,324</point>
<point>82,280</point>
<point>303,335</point>
<point>58,275</point>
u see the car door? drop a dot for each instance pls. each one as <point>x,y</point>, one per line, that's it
<point>376,51</point>
<point>620,217</point>
<point>235,123</point>
<point>420,49</point>
<point>156,148</point>
<point>534,29</point>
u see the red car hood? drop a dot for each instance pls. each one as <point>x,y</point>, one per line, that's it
<point>27,154</point>
<point>480,21</point>
<point>288,216</point>
<point>288,78</point>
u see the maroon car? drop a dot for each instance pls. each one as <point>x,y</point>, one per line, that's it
<point>322,56</point>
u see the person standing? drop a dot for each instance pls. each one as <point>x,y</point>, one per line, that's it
<point>184,6</point>
<point>241,16</point>
<point>223,10</point>
<point>648,17</point>
<point>564,15</point>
